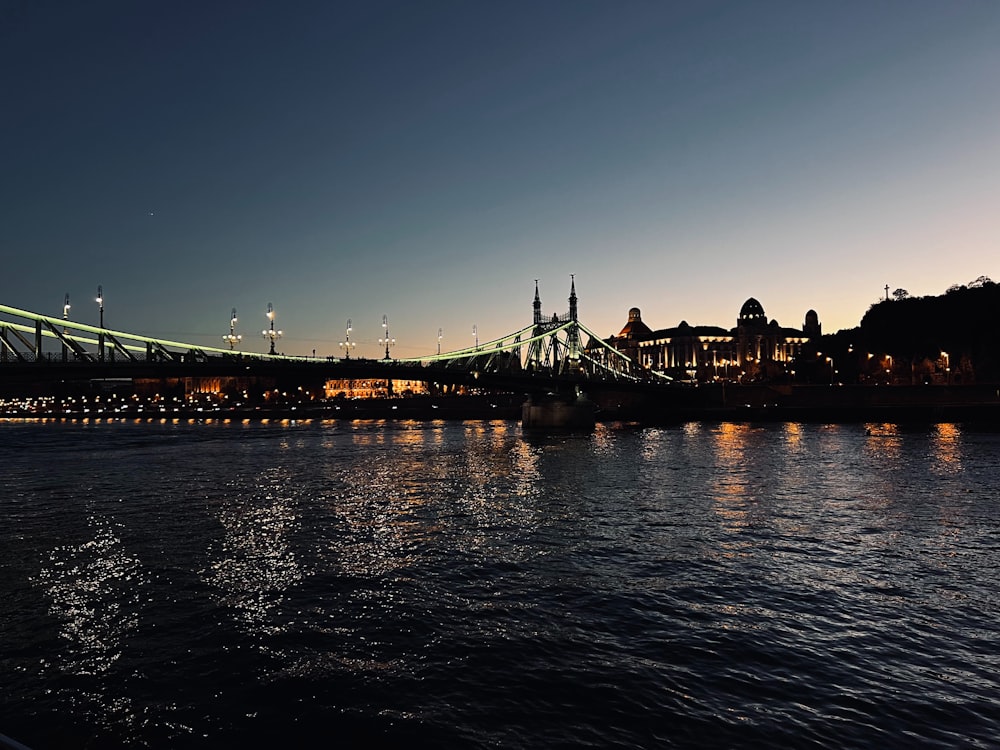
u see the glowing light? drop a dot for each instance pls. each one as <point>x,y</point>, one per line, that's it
<point>270,333</point>
<point>387,341</point>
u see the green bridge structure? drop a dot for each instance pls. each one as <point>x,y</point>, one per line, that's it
<point>554,353</point>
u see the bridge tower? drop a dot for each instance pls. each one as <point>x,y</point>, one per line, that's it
<point>573,333</point>
<point>534,350</point>
<point>547,350</point>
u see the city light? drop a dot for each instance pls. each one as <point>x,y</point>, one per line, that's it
<point>232,338</point>
<point>100,308</point>
<point>387,340</point>
<point>347,344</point>
<point>270,333</point>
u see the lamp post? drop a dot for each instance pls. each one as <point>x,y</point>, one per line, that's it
<point>65,349</point>
<point>100,308</point>
<point>387,341</point>
<point>270,333</point>
<point>827,358</point>
<point>439,340</point>
<point>232,338</point>
<point>475,335</point>
<point>346,343</point>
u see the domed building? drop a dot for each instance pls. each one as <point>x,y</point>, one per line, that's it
<point>634,331</point>
<point>756,349</point>
<point>765,348</point>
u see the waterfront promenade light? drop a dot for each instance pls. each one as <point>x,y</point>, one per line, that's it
<point>387,340</point>
<point>270,333</point>
<point>347,344</point>
<point>833,370</point>
<point>232,338</point>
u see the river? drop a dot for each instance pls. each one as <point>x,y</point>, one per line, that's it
<point>190,584</point>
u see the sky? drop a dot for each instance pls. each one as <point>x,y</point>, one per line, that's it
<point>428,161</point>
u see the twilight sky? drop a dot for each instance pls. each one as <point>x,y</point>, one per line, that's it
<point>429,160</point>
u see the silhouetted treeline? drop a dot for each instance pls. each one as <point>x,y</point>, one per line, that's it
<point>957,330</point>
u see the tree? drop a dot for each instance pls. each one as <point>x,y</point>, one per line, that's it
<point>954,288</point>
<point>900,294</point>
<point>981,282</point>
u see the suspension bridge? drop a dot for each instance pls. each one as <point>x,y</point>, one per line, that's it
<point>556,352</point>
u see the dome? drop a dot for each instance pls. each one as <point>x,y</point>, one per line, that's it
<point>811,327</point>
<point>635,326</point>
<point>752,311</point>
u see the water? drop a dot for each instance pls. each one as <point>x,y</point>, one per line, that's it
<point>465,585</point>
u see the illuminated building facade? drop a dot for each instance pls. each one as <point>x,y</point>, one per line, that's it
<point>756,349</point>
<point>374,388</point>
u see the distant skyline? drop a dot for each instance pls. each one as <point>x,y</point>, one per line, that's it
<point>428,161</point>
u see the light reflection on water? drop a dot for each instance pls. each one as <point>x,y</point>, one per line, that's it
<point>946,449</point>
<point>255,565</point>
<point>93,589</point>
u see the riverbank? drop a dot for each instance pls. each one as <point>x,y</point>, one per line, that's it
<point>731,403</point>
<point>830,404</point>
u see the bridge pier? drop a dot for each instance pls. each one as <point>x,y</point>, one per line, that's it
<point>559,413</point>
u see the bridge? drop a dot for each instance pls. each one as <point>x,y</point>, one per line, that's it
<point>555,352</point>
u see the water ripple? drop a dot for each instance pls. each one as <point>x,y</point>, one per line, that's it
<point>464,585</point>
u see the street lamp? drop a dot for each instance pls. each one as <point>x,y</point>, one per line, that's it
<point>820,357</point>
<point>100,307</point>
<point>475,335</point>
<point>947,367</point>
<point>387,341</point>
<point>232,338</point>
<point>830,360</point>
<point>439,340</point>
<point>346,343</point>
<point>270,333</point>
<point>65,349</point>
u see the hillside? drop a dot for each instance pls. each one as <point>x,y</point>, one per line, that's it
<point>964,323</point>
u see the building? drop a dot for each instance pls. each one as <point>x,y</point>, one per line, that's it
<point>631,335</point>
<point>365,388</point>
<point>754,350</point>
